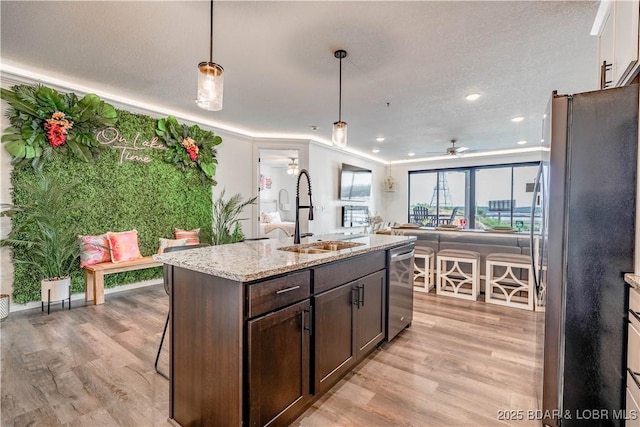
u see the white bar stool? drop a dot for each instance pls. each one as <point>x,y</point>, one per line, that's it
<point>507,288</point>
<point>454,281</point>
<point>423,269</point>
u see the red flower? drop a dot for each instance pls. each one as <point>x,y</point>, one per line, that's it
<point>193,154</point>
<point>56,135</point>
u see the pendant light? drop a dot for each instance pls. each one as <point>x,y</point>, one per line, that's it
<point>389,181</point>
<point>210,79</point>
<point>293,167</point>
<point>339,136</point>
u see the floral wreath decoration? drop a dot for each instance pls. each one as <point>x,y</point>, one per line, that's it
<point>45,123</point>
<point>190,147</point>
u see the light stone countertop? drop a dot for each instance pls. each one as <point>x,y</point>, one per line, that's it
<point>633,280</point>
<point>254,260</point>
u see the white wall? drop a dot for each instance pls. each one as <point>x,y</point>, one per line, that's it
<point>395,204</point>
<point>234,172</point>
<point>324,167</point>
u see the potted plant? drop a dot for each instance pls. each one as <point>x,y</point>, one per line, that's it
<point>41,239</point>
<point>226,218</point>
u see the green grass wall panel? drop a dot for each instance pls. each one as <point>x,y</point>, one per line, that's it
<point>153,198</point>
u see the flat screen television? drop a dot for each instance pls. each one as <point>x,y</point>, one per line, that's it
<point>355,183</point>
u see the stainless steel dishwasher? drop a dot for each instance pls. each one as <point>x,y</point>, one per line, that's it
<point>400,289</point>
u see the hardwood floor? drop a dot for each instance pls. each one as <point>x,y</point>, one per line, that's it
<point>457,365</point>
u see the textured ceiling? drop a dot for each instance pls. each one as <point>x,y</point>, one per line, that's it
<point>409,67</point>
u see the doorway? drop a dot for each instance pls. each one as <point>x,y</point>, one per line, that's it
<point>277,176</point>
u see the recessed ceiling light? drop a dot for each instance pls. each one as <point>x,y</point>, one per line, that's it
<point>542,140</point>
<point>313,127</point>
<point>522,142</point>
<point>411,154</point>
<point>380,138</point>
<point>517,119</point>
<point>375,150</point>
<point>472,96</point>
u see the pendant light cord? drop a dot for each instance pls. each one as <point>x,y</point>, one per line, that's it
<point>211,35</point>
<point>339,94</point>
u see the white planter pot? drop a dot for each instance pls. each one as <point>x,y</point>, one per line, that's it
<point>59,289</point>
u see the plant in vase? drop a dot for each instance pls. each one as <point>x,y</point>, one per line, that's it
<point>41,240</point>
<point>226,218</point>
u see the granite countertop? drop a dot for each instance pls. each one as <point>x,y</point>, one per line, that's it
<point>253,260</point>
<point>633,280</point>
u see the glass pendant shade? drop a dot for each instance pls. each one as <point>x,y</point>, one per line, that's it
<point>210,86</point>
<point>339,136</point>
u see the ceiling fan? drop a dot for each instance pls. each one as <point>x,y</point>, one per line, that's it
<point>455,150</point>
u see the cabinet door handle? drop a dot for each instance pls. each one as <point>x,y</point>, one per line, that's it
<point>604,83</point>
<point>361,295</point>
<point>309,326</point>
<point>292,288</point>
<point>355,297</point>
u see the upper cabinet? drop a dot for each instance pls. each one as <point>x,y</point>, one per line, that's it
<point>616,26</point>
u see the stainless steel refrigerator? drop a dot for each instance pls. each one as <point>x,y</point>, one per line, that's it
<point>588,244</point>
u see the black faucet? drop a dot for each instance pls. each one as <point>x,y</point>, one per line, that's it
<point>296,233</point>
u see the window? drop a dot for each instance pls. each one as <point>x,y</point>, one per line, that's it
<point>484,196</point>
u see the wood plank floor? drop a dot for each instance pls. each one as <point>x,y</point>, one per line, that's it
<point>458,365</point>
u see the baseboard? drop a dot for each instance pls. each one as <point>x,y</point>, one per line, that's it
<point>80,296</point>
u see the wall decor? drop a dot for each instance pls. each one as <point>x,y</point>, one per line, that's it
<point>129,150</point>
<point>46,123</point>
<point>189,147</point>
<point>152,197</point>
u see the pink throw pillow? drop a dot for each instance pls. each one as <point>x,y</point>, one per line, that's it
<point>94,250</point>
<point>192,236</point>
<point>124,245</point>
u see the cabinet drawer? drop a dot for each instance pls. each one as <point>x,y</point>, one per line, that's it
<point>633,350</point>
<point>272,294</point>
<point>338,273</point>
<point>634,300</point>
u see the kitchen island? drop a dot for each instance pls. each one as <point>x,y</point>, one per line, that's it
<point>258,333</point>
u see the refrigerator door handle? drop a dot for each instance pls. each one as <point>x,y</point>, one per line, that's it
<point>536,192</point>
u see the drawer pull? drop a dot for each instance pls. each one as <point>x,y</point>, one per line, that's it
<point>285,290</point>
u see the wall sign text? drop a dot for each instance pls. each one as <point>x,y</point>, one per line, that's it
<point>128,149</point>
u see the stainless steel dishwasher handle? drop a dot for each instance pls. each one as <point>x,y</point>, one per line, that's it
<point>292,288</point>
<point>402,256</point>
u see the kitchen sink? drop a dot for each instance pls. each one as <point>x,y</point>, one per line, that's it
<point>321,247</point>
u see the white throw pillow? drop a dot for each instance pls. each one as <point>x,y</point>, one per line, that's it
<point>274,217</point>
<point>167,243</point>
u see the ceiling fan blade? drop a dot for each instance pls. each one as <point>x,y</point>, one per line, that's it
<point>461,149</point>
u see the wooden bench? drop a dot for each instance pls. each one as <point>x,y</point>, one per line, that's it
<point>94,275</point>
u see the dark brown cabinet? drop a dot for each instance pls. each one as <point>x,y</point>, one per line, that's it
<point>370,313</point>
<point>278,359</point>
<point>335,346</point>
<point>259,353</point>
<point>349,323</point>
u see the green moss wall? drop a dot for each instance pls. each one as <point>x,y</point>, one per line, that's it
<point>151,197</point>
